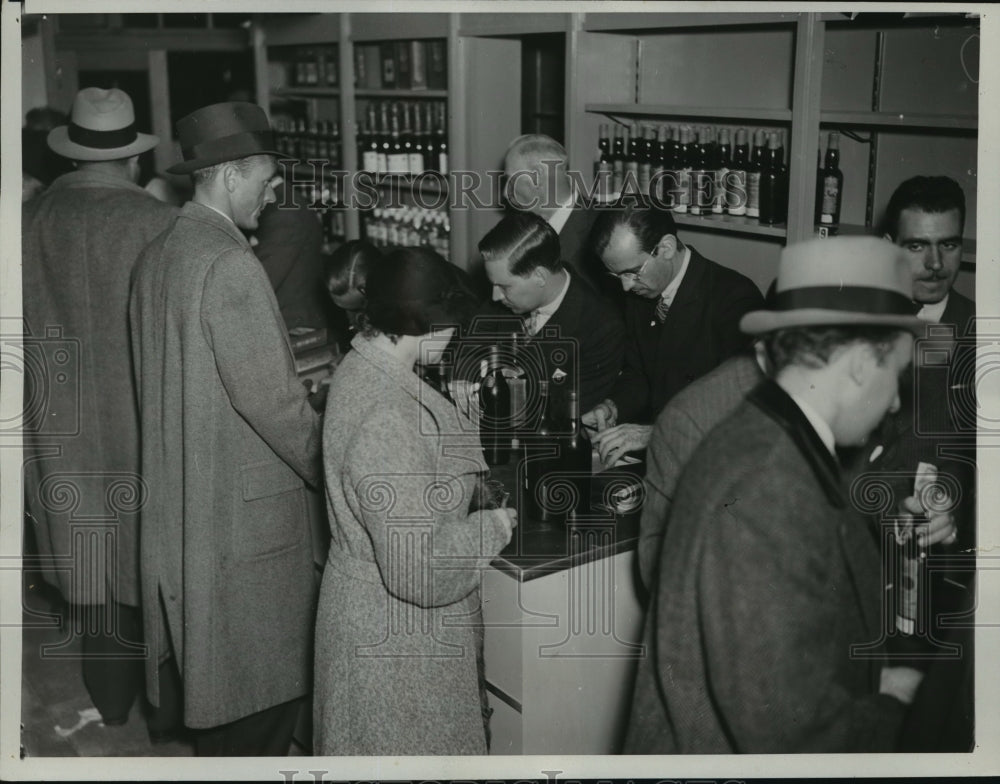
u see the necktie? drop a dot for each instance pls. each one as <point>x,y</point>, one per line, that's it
<point>531,323</point>
<point>661,309</point>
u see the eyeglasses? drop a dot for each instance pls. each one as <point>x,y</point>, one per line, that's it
<point>633,274</point>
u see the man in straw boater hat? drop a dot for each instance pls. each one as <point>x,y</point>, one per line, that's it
<point>81,239</point>
<point>767,613</point>
<point>229,444</point>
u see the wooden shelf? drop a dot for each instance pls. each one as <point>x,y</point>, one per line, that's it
<point>901,120</point>
<point>429,182</point>
<point>305,92</point>
<point>715,112</point>
<point>400,93</point>
<point>398,26</point>
<point>738,224</point>
<point>651,22</point>
<point>492,24</point>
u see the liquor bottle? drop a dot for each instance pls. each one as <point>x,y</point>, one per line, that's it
<point>659,165</point>
<point>736,179</point>
<point>910,580</point>
<point>617,160</point>
<point>774,184</point>
<point>495,424</point>
<point>541,472</point>
<point>336,158</point>
<point>723,160</point>
<point>819,186</point>
<point>384,140</point>
<point>575,456</point>
<point>603,148</point>
<point>442,141</point>
<point>397,158</point>
<point>369,143</point>
<point>603,167</point>
<point>632,160</point>
<point>668,186</point>
<point>682,194</point>
<point>430,148</point>
<point>406,137</point>
<point>646,160</point>
<point>701,176</point>
<point>833,183</point>
<point>754,173</point>
<point>417,149</point>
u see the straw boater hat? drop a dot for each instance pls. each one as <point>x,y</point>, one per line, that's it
<point>837,282</point>
<point>223,132</point>
<point>101,128</point>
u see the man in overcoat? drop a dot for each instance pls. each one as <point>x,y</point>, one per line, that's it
<point>81,239</point>
<point>682,316</point>
<point>229,444</point>
<point>766,618</point>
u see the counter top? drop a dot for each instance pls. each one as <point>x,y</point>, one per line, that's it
<point>538,548</point>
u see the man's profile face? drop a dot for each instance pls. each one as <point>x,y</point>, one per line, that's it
<point>640,273</point>
<point>254,191</point>
<point>530,182</point>
<point>933,245</point>
<point>519,293</point>
<point>878,394</point>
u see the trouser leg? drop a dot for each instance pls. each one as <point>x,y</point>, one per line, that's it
<point>166,720</point>
<point>112,658</point>
<point>267,733</point>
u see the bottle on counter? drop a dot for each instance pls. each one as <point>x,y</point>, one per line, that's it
<point>495,421</point>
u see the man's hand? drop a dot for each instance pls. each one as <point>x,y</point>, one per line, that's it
<point>939,528</point>
<point>900,682</point>
<point>508,517</point>
<point>601,416</point>
<point>616,441</point>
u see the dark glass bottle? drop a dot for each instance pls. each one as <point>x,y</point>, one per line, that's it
<point>417,145</point>
<point>646,160</point>
<point>754,173</point>
<point>441,137</point>
<point>575,455</point>
<point>774,184</point>
<point>384,140</point>
<point>736,179</point>
<point>701,176</point>
<point>618,160</point>
<point>682,164</point>
<point>397,158</point>
<point>833,184</point>
<point>632,156</point>
<point>721,164</point>
<point>495,423</point>
<point>430,148</point>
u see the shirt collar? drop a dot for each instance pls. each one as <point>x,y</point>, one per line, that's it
<point>220,212</point>
<point>551,307</point>
<point>668,294</point>
<point>933,313</point>
<point>558,218</point>
<point>818,423</point>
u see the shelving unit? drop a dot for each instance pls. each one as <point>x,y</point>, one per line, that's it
<point>708,112</point>
<point>900,120</point>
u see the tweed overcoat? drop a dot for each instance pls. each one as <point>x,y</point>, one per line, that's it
<point>702,328</point>
<point>767,581</point>
<point>81,239</point>
<point>228,443</point>
<point>399,608</point>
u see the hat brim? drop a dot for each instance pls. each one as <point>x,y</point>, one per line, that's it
<point>60,143</point>
<point>186,167</point>
<point>759,322</point>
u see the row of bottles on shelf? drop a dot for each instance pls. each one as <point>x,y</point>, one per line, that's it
<point>319,140</point>
<point>698,171</point>
<point>404,137</point>
<point>401,65</point>
<point>408,226</point>
<point>313,66</point>
<point>323,199</point>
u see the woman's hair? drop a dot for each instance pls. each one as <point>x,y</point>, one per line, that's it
<point>411,291</point>
<point>348,267</point>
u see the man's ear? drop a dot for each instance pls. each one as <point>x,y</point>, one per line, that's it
<point>540,275</point>
<point>859,361</point>
<point>229,176</point>
<point>667,246</point>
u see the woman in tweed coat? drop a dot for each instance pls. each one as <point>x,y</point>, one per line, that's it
<point>396,633</point>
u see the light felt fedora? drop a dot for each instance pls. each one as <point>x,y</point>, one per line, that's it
<point>839,281</point>
<point>101,128</point>
<point>223,132</point>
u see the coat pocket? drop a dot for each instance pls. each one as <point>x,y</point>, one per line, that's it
<point>270,514</point>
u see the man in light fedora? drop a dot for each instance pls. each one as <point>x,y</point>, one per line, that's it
<point>229,444</point>
<point>81,238</point>
<point>767,577</point>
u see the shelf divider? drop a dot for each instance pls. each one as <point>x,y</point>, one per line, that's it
<point>901,120</point>
<point>667,110</point>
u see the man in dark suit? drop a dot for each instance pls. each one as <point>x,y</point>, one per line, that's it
<point>765,620</point>
<point>681,319</point>
<point>528,278</point>
<point>536,168</point>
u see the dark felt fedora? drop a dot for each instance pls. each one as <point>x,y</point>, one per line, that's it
<point>223,132</point>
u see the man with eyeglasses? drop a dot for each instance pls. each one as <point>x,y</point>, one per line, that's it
<point>681,320</point>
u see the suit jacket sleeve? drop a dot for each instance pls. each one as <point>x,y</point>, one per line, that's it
<point>240,322</point>
<point>601,359</point>
<point>733,302</point>
<point>675,437</point>
<point>401,497</point>
<point>631,391</point>
<point>766,608</point>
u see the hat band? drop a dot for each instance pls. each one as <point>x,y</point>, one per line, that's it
<point>862,299</point>
<point>230,148</point>
<point>102,140</point>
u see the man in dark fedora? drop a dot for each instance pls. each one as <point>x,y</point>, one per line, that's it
<point>766,615</point>
<point>230,442</point>
<point>81,238</point>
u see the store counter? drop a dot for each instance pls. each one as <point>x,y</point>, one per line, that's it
<point>563,625</point>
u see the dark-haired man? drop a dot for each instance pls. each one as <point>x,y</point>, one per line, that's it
<point>528,277</point>
<point>681,319</point>
<point>768,579</point>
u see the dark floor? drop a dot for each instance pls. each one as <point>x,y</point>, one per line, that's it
<point>57,716</point>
